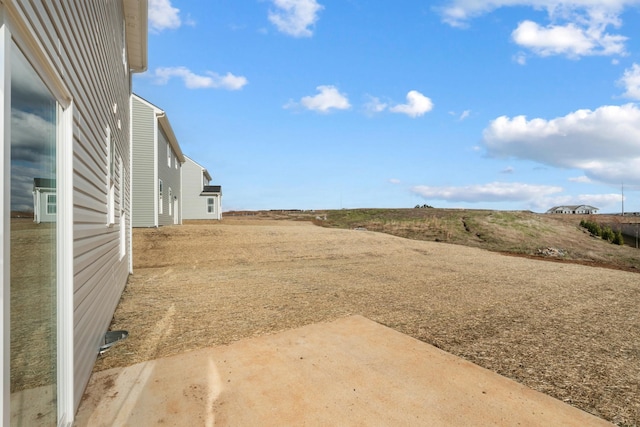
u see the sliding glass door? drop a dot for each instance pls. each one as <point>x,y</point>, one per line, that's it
<point>34,214</point>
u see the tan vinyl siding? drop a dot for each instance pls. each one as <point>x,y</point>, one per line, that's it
<point>144,175</point>
<point>84,39</point>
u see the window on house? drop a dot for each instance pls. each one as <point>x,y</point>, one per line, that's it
<point>170,202</point>
<point>210,205</point>
<point>168,155</point>
<point>160,191</point>
<point>121,184</point>
<point>123,217</point>
<point>51,204</point>
<point>110,179</point>
<point>123,235</point>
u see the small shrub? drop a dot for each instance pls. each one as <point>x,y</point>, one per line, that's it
<point>618,239</point>
<point>605,232</point>
<point>592,227</point>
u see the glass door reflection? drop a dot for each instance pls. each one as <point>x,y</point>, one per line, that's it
<point>33,247</point>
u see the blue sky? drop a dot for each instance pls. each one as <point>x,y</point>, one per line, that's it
<point>329,104</point>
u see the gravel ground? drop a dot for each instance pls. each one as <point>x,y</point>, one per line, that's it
<point>567,330</point>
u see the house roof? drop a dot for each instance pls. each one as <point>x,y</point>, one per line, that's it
<point>211,189</point>
<point>571,207</point>
<point>204,170</point>
<point>44,183</point>
<point>136,32</point>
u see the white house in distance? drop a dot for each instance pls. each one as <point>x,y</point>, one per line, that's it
<point>199,199</point>
<point>156,167</point>
<point>65,71</point>
<point>573,210</point>
<point>44,200</point>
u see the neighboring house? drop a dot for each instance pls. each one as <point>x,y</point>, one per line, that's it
<point>156,167</point>
<point>199,199</point>
<point>213,195</point>
<point>574,210</point>
<point>44,200</point>
<point>65,71</point>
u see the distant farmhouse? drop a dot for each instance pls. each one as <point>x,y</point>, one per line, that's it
<point>573,210</point>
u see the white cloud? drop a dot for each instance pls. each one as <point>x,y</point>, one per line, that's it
<point>461,116</point>
<point>190,21</point>
<point>491,192</point>
<point>631,82</point>
<point>294,17</point>
<point>603,143</point>
<point>374,105</point>
<point>195,81</point>
<point>569,40</point>
<point>28,130</point>
<point>416,106</point>
<point>576,28</point>
<point>395,181</point>
<point>520,58</point>
<point>328,99</point>
<point>163,16</point>
<point>22,175</point>
<point>581,179</point>
<point>29,155</point>
<point>459,12</point>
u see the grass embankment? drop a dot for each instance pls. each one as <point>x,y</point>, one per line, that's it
<point>513,232</point>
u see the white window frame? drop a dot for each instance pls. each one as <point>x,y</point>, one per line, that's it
<point>170,197</point>
<point>121,184</point>
<point>123,215</point>
<point>111,209</point>
<point>123,235</point>
<point>13,28</point>
<point>50,204</point>
<point>168,154</point>
<point>211,207</point>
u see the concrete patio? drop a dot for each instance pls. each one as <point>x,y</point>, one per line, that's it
<point>350,372</point>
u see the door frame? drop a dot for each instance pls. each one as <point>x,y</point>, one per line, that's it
<point>15,28</point>
<point>176,220</point>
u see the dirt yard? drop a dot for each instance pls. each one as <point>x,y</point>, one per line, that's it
<point>567,330</point>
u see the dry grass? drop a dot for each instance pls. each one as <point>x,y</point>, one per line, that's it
<point>564,329</point>
<point>514,232</point>
<point>33,313</point>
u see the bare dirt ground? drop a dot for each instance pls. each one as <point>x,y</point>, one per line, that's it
<point>567,330</point>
